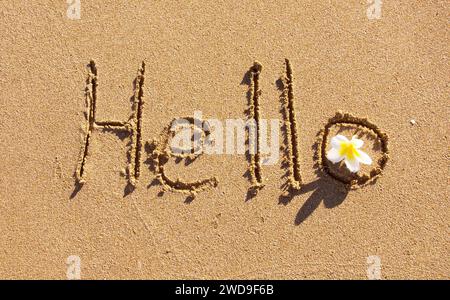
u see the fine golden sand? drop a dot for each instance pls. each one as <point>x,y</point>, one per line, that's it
<point>86,104</point>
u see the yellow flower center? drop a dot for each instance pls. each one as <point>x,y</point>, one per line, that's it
<point>348,150</point>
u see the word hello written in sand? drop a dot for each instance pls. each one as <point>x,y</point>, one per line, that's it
<point>159,151</point>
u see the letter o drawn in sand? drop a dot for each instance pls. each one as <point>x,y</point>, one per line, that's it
<point>348,125</point>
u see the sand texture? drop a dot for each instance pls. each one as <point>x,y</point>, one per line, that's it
<point>86,107</point>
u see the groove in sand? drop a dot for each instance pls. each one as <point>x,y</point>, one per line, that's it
<point>254,113</point>
<point>365,125</point>
<point>133,126</point>
<point>161,153</point>
<point>290,122</point>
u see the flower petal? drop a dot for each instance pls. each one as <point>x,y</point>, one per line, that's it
<point>357,143</point>
<point>363,157</point>
<point>352,165</point>
<point>337,140</point>
<point>334,156</point>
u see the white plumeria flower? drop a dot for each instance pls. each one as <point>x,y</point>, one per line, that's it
<point>343,149</point>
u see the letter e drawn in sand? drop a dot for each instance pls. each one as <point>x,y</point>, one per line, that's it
<point>133,126</point>
<point>161,152</point>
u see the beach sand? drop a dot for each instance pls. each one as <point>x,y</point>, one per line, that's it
<point>197,56</point>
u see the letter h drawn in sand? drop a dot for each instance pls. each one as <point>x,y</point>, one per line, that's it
<point>133,126</point>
